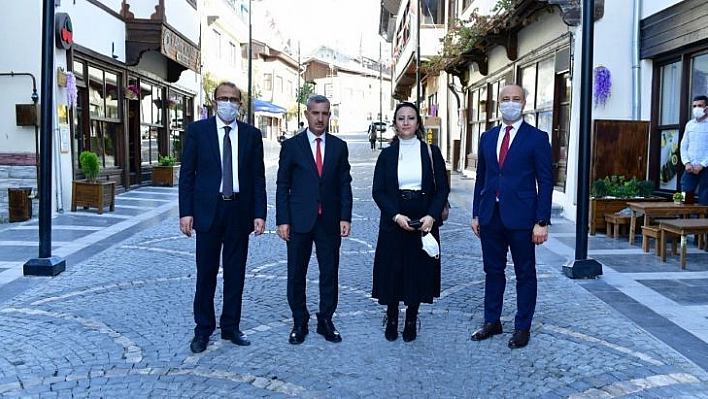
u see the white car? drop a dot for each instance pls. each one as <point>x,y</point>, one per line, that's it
<point>389,134</point>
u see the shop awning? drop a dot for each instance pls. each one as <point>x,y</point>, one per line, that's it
<point>265,106</point>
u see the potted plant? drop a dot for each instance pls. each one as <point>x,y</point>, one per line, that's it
<point>91,192</point>
<point>678,197</point>
<point>166,172</point>
<point>610,195</point>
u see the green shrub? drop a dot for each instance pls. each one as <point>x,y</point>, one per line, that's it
<point>167,160</point>
<point>90,165</point>
<point>619,187</point>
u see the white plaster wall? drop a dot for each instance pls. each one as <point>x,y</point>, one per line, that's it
<point>651,7</point>
<point>184,18</point>
<point>142,9</point>
<point>109,40</point>
<point>22,52</point>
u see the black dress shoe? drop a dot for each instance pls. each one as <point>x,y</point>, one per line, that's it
<point>199,343</point>
<point>409,331</point>
<point>487,331</point>
<point>325,327</point>
<point>237,337</point>
<point>519,339</point>
<point>297,335</point>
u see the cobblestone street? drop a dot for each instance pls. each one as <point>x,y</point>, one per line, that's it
<point>118,325</point>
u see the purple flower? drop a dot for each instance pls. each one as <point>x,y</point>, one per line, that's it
<point>603,86</point>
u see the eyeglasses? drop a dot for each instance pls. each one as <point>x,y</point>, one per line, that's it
<point>233,100</point>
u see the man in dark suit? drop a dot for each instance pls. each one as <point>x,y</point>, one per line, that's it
<point>222,196</point>
<point>314,204</point>
<point>511,211</point>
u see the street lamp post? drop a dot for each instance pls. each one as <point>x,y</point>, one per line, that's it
<point>46,264</point>
<point>250,64</point>
<point>583,267</point>
<point>380,98</point>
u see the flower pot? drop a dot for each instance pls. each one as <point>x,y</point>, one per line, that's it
<point>93,194</point>
<point>165,175</point>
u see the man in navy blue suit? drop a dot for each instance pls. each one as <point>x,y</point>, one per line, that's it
<point>222,196</point>
<point>313,203</point>
<point>511,211</point>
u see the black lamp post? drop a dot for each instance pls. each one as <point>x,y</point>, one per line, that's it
<point>583,267</point>
<point>250,65</point>
<point>46,264</point>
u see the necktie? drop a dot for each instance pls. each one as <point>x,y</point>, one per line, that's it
<point>318,163</point>
<point>504,146</point>
<point>227,170</point>
<point>318,156</point>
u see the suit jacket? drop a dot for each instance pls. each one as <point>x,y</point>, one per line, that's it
<point>200,173</point>
<point>524,183</point>
<point>300,190</point>
<point>385,187</point>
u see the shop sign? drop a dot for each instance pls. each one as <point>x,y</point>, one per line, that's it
<point>178,49</point>
<point>64,31</point>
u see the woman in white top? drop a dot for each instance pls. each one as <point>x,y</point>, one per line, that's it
<point>411,199</point>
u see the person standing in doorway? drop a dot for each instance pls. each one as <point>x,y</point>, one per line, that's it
<point>313,204</point>
<point>694,151</point>
<point>511,211</point>
<point>222,197</point>
<point>410,188</point>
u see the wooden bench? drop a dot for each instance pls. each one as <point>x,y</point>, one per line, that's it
<point>654,231</point>
<point>615,223</point>
<point>683,228</point>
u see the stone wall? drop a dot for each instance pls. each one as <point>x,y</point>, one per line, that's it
<point>16,176</point>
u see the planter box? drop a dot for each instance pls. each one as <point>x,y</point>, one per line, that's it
<point>601,206</point>
<point>93,195</point>
<point>165,175</point>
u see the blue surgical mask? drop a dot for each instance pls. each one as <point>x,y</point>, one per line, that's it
<point>510,110</point>
<point>227,111</point>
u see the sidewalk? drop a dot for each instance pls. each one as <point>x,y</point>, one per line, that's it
<point>76,236</point>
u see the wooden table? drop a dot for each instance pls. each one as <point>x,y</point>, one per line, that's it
<point>656,209</point>
<point>684,228</point>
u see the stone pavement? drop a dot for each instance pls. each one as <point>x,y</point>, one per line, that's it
<point>118,321</point>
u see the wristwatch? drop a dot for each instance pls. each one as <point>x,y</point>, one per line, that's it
<point>542,223</point>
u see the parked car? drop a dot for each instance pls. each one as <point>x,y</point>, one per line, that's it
<point>384,131</point>
<point>380,126</point>
<point>389,134</point>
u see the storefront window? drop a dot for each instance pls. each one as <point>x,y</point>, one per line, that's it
<point>699,76</point>
<point>100,93</point>
<point>670,99</point>
<point>179,112</point>
<point>670,93</point>
<point>151,108</point>
<point>538,80</point>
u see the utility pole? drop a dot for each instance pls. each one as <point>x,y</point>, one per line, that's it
<point>249,118</point>
<point>380,98</point>
<point>299,86</point>
<point>417,56</point>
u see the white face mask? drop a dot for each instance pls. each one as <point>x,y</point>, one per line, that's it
<point>226,111</point>
<point>430,245</point>
<point>510,110</point>
<point>699,112</point>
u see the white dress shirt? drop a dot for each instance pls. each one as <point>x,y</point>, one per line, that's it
<point>233,135</point>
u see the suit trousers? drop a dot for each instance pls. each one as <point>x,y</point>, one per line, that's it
<point>327,246</point>
<point>227,237</point>
<point>497,240</point>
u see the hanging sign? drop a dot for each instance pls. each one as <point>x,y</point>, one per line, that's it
<point>63,30</point>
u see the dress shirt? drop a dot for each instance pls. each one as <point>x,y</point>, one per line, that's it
<point>694,145</point>
<point>313,145</point>
<point>512,133</point>
<point>233,135</point>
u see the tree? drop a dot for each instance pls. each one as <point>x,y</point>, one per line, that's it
<point>304,92</point>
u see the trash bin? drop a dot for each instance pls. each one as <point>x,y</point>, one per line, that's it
<point>20,203</point>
